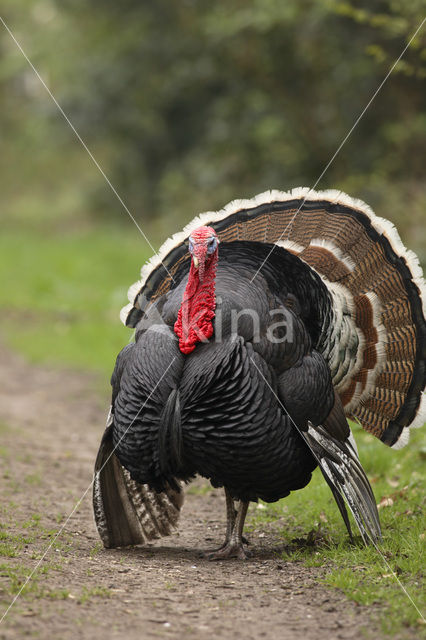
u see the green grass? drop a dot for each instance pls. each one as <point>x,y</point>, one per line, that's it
<point>199,489</point>
<point>315,534</point>
<point>22,543</point>
<point>15,577</point>
<point>88,593</point>
<point>61,294</point>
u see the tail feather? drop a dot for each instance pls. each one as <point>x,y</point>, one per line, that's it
<point>127,512</point>
<point>342,470</point>
<point>328,477</point>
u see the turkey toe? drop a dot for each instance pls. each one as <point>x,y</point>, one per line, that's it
<point>229,551</point>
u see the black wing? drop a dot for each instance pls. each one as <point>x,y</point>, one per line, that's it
<point>316,410</point>
<point>128,512</point>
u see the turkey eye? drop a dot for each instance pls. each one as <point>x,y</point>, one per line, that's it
<point>191,245</point>
<point>211,245</point>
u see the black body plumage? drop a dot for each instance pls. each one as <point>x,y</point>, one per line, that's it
<point>221,411</point>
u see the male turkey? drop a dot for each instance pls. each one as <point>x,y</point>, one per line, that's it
<point>259,328</point>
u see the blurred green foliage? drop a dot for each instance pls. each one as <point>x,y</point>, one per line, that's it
<point>185,105</point>
<point>188,104</point>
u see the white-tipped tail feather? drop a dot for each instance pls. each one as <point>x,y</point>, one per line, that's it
<point>346,478</point>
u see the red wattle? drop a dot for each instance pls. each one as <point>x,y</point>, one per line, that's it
<point>194,321</point>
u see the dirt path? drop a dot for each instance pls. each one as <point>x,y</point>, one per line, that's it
<point>50,425</point>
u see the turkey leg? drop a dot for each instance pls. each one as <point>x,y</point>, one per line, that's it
<point>233,545</point>
<point>231,514</point>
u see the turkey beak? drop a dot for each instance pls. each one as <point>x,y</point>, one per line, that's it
<point>199,261</point>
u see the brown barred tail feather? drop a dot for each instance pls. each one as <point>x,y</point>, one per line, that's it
<point>126,512</point>
<point>374,336</point>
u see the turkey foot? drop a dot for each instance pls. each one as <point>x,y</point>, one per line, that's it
<point>229,550</point>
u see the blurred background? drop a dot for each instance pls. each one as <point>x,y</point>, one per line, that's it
<point>185,105</point>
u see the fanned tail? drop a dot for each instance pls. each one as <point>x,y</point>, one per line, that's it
<point>342,470</point>
<point>127,512</point>
<point>374,332</point>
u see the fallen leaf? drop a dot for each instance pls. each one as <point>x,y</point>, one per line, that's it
<point>385,502</point>
<point>392,482</point>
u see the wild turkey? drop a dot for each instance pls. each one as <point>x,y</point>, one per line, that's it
<point>249,355</point>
